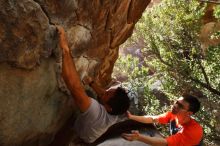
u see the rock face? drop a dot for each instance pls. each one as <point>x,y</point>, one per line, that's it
<point>32,108</point>
<point>206,32</point>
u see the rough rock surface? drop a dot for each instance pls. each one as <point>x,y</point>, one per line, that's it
<point>206,32</point>
<point>32,109</point>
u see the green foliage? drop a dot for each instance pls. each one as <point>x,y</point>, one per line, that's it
<point>216,34</point>
<point>139,82</point>
<point>217,12</point>
<point>169,36</point>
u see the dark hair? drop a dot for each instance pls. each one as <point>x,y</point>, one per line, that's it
<point>119,102</point>
<point>194,104</point>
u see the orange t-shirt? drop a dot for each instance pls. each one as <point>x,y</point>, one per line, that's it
<point>190,134</point>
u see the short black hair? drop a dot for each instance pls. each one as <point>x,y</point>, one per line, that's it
<point>194,103</point>
<point>119,102</point>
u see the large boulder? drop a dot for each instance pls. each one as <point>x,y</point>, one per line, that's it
<point>32,108</point>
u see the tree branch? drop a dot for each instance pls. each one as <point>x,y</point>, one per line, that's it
<point>205,86</point>
<point>204,73</point>
<point>210,1</point>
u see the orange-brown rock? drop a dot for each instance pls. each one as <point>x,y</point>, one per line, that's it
<point>211,25</point>
<point>209,17</point>
<point>208,30</point>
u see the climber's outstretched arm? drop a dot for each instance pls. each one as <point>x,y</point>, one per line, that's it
<point>70,74</point>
